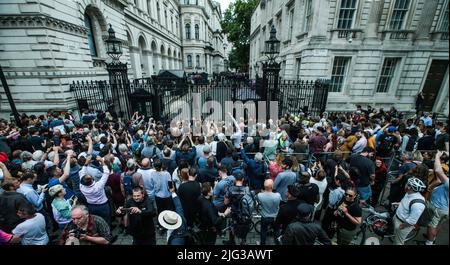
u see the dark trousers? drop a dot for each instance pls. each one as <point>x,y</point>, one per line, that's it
<point>163,204</point>
<point>265,223</point>
<point>101,210</point>
<point>145,242</point>
<point>327,222</point>
<point>208,237</point>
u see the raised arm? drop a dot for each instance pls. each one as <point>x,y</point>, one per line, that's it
<point>236,124</point>
<point>6,173</point>
<point>56,158</point>
<point>90,144</point>
<point>106,170</point>
<point>442,177</point>
<point>66,171</point>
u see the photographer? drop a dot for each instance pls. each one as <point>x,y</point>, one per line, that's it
<point>347,217</point>
<point>140,212</point>
<point>86,229</point>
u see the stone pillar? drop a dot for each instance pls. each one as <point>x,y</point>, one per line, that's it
<point>149,63</point>
<point>426,19</point>
<point>320,19</point>
<point>155,63</point>
<point>143,5</point>
<point>374,19</point>
<point>135,62</point>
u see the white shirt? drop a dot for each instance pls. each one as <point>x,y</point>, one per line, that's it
<point>416,209</point>
<point>146,177</point>
<point>32,231</point>
<point>95,193</point>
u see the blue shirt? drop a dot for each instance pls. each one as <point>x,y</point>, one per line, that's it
<point>32,195</point>
<point>55,181</point>
<point>439,196</point>
<point>159,184</point>
<point>202,162</point>
<point>282,180</point>
<point>427,121</point>
<point>220,189</point>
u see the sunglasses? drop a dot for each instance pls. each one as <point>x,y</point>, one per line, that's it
<point>349,195</point>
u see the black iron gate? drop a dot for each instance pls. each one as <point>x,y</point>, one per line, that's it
<point>165,100</point>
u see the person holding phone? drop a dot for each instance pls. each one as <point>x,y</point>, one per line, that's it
<point>140,212</point>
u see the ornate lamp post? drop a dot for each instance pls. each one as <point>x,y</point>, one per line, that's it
<point>256,67</point>
<point>118,76</point>
<point>225,61</point>
<point>271,69</point>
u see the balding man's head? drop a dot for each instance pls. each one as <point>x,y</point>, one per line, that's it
<point>268,185</point>
<point>145,162</point>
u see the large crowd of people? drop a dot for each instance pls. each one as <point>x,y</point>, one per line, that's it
<point>72,181</point>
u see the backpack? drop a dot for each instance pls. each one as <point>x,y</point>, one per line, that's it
<point>411,143</point>
<point>387,144</point>
<point>244,208</point>
<point>230,146</point>
<point>128,183</point>
<point>426,215</point>
<point>137,152</point>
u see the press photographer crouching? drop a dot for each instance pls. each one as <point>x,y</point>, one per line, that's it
<point>86,229</point>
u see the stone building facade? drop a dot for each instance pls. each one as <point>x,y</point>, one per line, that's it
<point>202,36</point>
<point>378,52</point>
<point>46,45</point>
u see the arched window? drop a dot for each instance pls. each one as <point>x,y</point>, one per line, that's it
<point>189,61</point>
<point>197,32</point>
<point>197,61</point>
<point>188,31</point>
<point>90,35</point>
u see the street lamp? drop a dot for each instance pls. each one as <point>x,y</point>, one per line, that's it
<point>113,45</point>
<point>225,66</point>
<point>272,45</point>
<point>118,71</point>
<point>256,69</point>
<point>271,69</point>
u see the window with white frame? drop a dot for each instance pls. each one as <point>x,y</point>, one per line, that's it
<point>189,61</point>
<point>197,32</point>
<point>347,14</point>
<point>187,29</point>
<point>197,61</point>
<point>387,74</point>
<point>298,63</point>
<point>340,68</point>
<point>398,16</point>
<point>444,20</point>
<point>308,16</point>
<point>90,35</point>
<point>291,23</point>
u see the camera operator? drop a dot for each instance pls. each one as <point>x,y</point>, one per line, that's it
<point>87,228</point>
<point>140,215</point>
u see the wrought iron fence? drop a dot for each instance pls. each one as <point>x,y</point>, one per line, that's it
<point>164,99</point>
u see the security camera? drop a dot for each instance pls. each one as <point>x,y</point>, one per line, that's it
<point>350,40</point>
